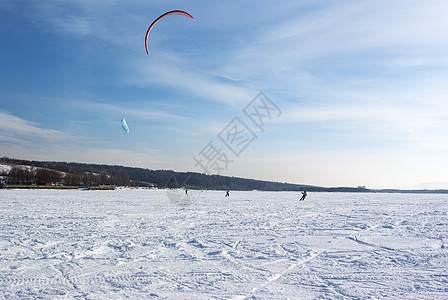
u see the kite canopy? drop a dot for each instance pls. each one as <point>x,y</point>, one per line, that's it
<point>124,125</point>
<point>173,12</point>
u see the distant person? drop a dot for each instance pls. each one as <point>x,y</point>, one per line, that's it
<point>303,196</point>
<point>227,193</point>
<point>186,191</point>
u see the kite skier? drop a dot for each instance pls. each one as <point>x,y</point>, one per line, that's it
<point>303,196</point>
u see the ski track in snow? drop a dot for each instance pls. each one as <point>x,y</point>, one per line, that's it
<point>135,243</point>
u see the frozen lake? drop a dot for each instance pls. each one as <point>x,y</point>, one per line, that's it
<point>253,245</point>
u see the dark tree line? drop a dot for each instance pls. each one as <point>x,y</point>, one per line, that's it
<point>42,176</point>
<point>23,175</point>
<point>90,174</point>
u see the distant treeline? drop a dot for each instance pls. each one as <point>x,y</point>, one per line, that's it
<point>71,173</point>
<point>25,174</point>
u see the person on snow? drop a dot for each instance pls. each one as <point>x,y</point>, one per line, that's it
<point>303,196</point>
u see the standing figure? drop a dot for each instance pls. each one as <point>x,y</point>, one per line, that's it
<point>303,196</point>
<point>227,193</point>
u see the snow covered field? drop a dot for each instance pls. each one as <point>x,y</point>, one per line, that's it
<point>253,245</point>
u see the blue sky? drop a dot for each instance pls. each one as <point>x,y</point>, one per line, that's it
<point>361,85</point>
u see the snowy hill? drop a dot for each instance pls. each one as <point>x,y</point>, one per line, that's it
<point>5,168</point>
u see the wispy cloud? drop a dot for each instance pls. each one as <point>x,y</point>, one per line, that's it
<point>382,117</point>
<point>74,25</point>
<point>204,86</point>
<point>23,138</point>
<point>123,108</point>
<point>16,126</point>
<point>338,40</point>
<point>351,26</point>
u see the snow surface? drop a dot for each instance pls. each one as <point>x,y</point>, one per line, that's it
<point>5,168</point>
<point>253,245</point>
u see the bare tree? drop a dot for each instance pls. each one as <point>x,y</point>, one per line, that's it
<point>44,176</point>
<point>20,175</point>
